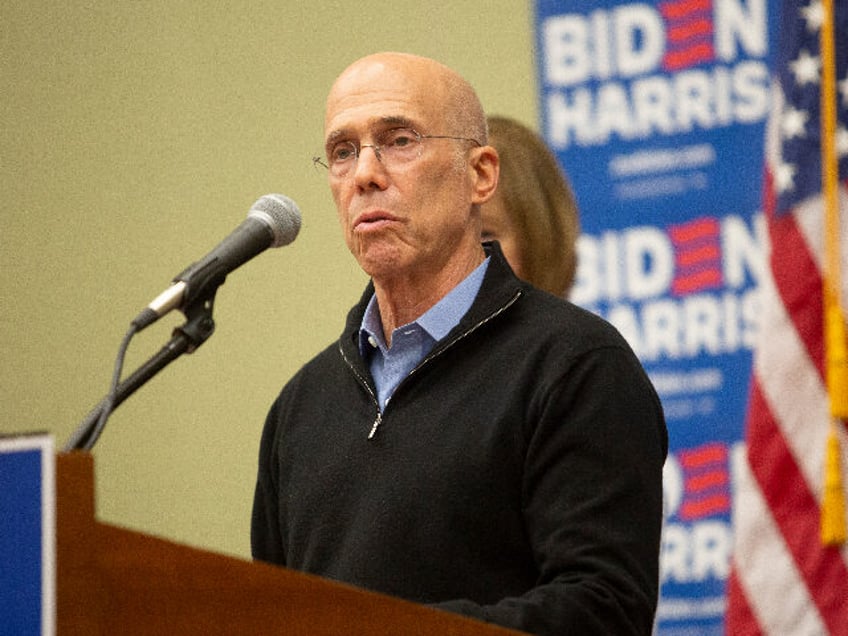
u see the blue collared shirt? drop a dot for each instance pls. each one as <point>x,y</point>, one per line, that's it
<point>413,341</point>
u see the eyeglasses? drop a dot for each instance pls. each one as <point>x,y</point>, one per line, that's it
<point>392,147</point>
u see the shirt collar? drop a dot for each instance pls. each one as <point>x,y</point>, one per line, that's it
<point>436,321</point>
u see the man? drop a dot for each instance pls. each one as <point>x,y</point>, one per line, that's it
<point>470,442</point>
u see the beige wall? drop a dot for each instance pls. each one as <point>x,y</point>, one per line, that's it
<point>135,136</point>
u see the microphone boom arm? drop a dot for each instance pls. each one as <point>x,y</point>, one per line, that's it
<point>198,327</point>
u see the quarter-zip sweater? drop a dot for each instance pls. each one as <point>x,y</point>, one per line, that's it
<point>515,475</point>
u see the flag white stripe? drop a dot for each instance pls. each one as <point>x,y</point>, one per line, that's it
<point>809,220</point>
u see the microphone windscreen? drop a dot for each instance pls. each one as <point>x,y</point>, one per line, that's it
<point>281,214</point>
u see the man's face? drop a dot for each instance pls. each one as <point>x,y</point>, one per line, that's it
<point>408,217</point>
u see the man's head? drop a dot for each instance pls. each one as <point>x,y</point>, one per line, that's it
<point>408,205</point>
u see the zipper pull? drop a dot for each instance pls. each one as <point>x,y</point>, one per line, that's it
<point>376,424</point>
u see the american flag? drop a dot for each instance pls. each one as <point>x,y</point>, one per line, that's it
<point>784,579</point>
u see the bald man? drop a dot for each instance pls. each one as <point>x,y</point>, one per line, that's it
<point>470,442</point>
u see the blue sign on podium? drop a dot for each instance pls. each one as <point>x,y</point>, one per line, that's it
<point>27,535</point>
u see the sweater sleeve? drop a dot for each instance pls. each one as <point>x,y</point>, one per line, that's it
<point>592,503</point>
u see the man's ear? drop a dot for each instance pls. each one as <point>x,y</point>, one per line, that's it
<point>486,166</point>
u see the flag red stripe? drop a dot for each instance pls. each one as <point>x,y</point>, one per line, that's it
<point>740,619</point>
<point>798,280</point>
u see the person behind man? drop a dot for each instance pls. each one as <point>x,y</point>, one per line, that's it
<point>470,442</point>
<point>533,213</point>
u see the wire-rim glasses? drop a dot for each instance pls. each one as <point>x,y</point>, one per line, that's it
<point>395,146</point>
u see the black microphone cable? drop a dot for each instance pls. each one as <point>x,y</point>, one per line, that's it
<point>109,402</point>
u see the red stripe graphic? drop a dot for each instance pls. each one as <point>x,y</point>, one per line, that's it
<point>698,509</point>
<point>697,54</point>
<point>684,8</point>
<point>697,255</point>
<point>689,33</point>
<point>693,458</point>
<point>705,481</point>
<point>699,28</point>
<point>694,230</point>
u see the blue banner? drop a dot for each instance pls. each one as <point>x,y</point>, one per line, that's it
<point>657,111</point>
<point>27,535</point>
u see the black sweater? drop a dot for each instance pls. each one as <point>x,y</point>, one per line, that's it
<point>514,476</point>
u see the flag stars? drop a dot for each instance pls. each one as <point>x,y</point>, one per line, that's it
<point>843,91</point>
<point>813,15</point>
<point>842,142</point>
<point>805,68</point>
<point>793,123</point>
<point>784,177</point>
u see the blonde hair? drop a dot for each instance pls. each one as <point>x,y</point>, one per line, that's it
<point>539,201</point>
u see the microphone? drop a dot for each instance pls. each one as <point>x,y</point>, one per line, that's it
<point>273,221</point>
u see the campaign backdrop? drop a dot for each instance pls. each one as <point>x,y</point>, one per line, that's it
<point>27,535</point>
<point>657,112</point>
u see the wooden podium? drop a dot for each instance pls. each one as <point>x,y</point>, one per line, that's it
<point>111,580</point>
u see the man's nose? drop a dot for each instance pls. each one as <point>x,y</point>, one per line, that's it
<point>369,169</point>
